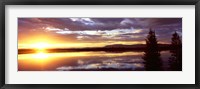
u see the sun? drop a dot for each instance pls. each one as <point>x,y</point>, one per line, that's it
<point>40,45</point>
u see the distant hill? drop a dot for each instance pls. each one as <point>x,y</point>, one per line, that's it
<point>125,46</point>
<point>137,46</point>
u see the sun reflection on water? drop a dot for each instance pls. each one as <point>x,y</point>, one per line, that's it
<point>40,55</point>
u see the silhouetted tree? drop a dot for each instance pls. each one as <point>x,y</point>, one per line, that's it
<point>152,55</point>
<point>175,61</point>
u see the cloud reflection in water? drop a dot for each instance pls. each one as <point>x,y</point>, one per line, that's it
<point>114,64</point>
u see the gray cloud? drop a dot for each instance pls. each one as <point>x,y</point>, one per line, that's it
<point>116,29</point>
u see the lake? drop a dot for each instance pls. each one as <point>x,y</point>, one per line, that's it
<point>86,61</point>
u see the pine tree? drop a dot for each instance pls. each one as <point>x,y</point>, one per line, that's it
<point>175,61</point>
<point>152,55</point>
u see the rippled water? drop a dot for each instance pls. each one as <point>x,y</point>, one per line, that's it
<point>84,61</point>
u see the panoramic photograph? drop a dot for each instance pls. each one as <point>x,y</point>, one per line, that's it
<point>99,44</point>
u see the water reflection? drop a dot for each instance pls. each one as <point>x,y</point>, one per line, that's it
<point>40,55</point>
<point>84,61</point>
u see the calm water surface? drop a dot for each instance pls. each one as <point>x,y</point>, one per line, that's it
<point>83,61</point>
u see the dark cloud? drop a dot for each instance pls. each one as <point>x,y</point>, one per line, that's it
<point>98,23</point>
<point>116,29</point>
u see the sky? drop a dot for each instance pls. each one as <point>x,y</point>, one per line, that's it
<point>94,32</point>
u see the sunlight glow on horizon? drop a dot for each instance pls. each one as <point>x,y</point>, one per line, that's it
<point>46,45</point>
<point>40,45</point>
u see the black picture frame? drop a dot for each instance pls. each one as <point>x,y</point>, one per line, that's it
<point>99,2</point>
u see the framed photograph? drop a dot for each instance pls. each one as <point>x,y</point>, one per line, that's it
<point>100,44</point>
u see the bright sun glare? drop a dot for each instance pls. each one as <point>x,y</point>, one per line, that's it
<point>41,45</point>
<point>40,55</point>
